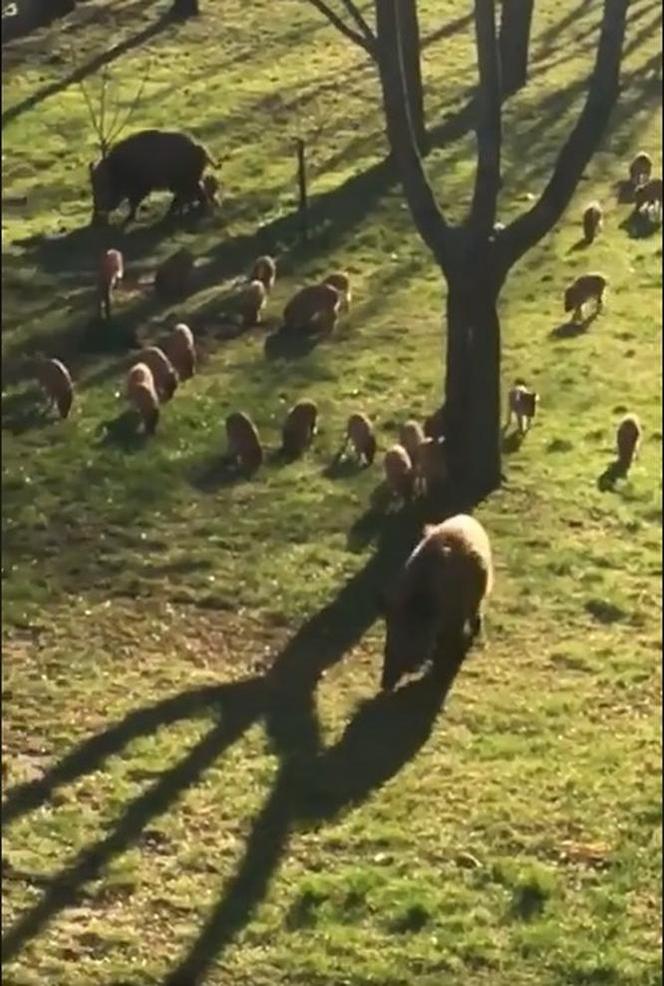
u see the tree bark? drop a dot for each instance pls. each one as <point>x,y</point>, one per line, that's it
<point>489,122</point>
<point>183,9</point>
<point>412,71</point>
<point>515,21</point>
<point>472,384</point>
<point>428,218</point>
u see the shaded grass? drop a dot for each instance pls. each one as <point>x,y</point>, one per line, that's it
<point>201,777</point>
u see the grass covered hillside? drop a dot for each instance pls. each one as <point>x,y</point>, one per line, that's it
<point>202,781</point>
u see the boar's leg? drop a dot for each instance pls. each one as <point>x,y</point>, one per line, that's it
<point>135,200</point>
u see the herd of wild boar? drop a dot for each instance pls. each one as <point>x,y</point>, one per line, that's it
<point>445,580</point>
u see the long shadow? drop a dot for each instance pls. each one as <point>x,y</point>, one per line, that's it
<point>103,58</point>
<point>608,479</point>
<point>285,698</point>
<point>385,733</point>
<point>572,329</point>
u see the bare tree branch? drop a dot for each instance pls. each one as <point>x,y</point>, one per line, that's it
<point>112,135</point>
<point>356,14</point>
<point>489,126</point>
<point>336,21</point>
<point>581,144</point>
<point>426,213</point>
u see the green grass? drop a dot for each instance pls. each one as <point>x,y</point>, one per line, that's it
<point>288,826</point>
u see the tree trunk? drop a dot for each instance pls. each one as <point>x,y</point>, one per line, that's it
<point>183,9</point>
<point>472,384</point>
<point>412,71</point>
<point>515,24</point>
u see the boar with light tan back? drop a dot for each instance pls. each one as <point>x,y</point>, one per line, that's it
<point>341,282</point>
<point>360,435</point>
<point>173,278</point>
<point>264,269</point>
<point>165,375</point>
<point>399,472</point>
<point>109,274</point>
<point>313,308</point>
<point>640,169</point>
<point>431,465</point>
<point>179,347</point>
<point>250,302</point>
<point>142,393</point>
<point>299,428</point>
<point>628,439</point>
<point>587,287</point>
<point>592,221</point>
<point>244,444</point>
<point>438,597</point>
<point>411,437</point>
<point>55,380</point>
<point>521,405</point>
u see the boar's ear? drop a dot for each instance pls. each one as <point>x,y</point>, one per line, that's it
<point>427,529</point>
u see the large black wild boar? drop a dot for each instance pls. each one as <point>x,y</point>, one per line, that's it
<point>146,161</point>
<point>440,592</point>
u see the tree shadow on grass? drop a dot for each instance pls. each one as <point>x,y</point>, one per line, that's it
<point>25,411</point>
<point>90,67</point>
<point>313,783</point>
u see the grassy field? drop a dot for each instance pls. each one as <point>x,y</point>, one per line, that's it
<point>200,775</point>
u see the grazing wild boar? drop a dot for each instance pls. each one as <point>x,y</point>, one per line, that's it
<point>264,269</point>
<point>585,288</point>
<point>435,425</point>
<point>640,169</point>
<point>592,221</point>
<point>173,277</point>
<point>250,301</point>
<point>431,465</point>
<point>649,195</point>
<point>522,405</point>
<point>142,393</point>
<point>628,439</point>
<point>315,307</point>
<point>299,428</point>
<point>438,596</point>
<point>244,444</point>
<point>411,437</point>
<point>55,380</point>
<point>360,434</point>
<point>181,350</point>
<point>165,375</point>
<point>399,472</point>
<point>109,274</point>
<point>340,281</point>
<point>144,162</point>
